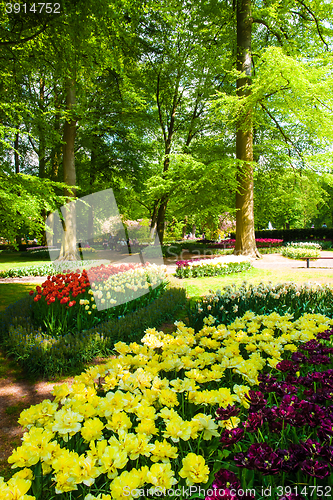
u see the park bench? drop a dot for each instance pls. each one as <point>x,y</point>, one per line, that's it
<point>311,258</point>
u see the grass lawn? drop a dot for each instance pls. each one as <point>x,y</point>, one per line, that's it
<point>196,287</point>
<point>19,259</point>
<point>12,292</point>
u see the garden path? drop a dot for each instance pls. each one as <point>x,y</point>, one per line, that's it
<point>268,261</point>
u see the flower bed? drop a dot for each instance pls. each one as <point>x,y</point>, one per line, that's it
<point>195,268</point>
<point>147,418</point>
<point>231,302</point>
<point>260,243</point>
<point>293,410</point>
<point>302,250</point>
<point>66,303</point>
<point>47,269</point>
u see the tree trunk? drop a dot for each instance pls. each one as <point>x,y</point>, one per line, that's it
<point>68,245</point>
<point>56,149</point>
<point>154,219</point>
<point>161,218</point>
<point>16,154</point>
<point>245,236</point>
<point>50,234</point>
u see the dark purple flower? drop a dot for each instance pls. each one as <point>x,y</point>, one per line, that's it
<point>298,357</point>
<point>315,468</point>
<point>312,413</point>
<point>312,448</point>
<point>289,461</point>
<point>287,366</point>
<point>229,437</point>
<point>327,453</point>
<point>268,464</point>
<point>254,421</point>
<point>242,460</point>
<point>256,400</point>
<point>312,345</point>
<point>325,431</point>
<point>256,455</point>
<point>325,335</point>
<point>226,413</point>
<point>319,359</point>
<point>225,478</point>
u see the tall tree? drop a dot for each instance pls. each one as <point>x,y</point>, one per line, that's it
<point>245,236</point>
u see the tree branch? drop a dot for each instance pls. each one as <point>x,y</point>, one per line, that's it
<point>315,20</point>
<point>285,137</point>
<point>22,40</point>
<point>277,35</point>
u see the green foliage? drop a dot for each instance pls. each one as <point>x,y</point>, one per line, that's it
<point>283,196</point>
<point>44,355</point>
<point>231,302</point>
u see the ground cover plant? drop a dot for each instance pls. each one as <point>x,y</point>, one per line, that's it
<point>147,419</point>
<point>194,268</point>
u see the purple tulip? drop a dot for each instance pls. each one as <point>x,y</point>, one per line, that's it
<point>226,413</point>
<point>315,468</point>
<point>287,366</point>
<point>225,477</point>
<point>232,436</point>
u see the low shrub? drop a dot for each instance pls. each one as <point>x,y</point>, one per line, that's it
<point>312,245</point>
<point>45,355</point>
<point>209,267</point>
<point>230,302</point>
<point>19,272</point>
<point>302,252</point>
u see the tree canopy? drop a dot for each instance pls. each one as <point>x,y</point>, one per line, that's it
<point>187,110</point>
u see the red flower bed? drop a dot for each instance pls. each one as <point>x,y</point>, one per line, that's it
<point>67,286</point>
<point>261,243</point>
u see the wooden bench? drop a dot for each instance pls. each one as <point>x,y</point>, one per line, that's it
<point>312,258</point>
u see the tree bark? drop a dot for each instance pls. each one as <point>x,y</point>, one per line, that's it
<point>16,154</point>
<point>161,218</point>
<point>68,249</point>
<point>245,235</point>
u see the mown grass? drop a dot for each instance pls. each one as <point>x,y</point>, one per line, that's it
<point>12,292</point>
<point>196,287</point>
<point>8,260</point>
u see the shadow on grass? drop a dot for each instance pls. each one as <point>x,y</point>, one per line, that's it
<point>12,292</point>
